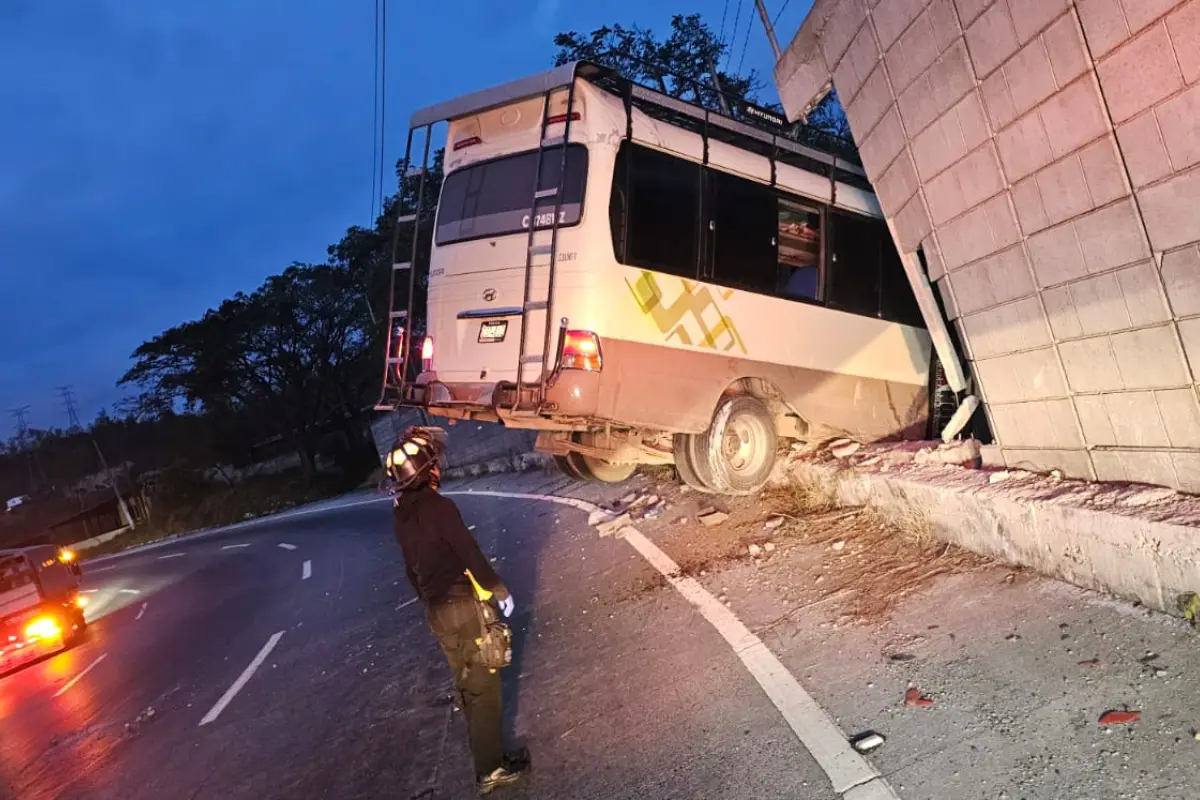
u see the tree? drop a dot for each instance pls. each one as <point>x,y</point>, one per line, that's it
<point>683,65</point>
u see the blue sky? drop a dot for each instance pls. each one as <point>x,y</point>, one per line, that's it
<point>157,156</point>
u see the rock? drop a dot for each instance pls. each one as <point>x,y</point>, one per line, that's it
<point>845,450</point>
<point>1002,475</point>
<point>755,550</point>
<point>774,522</point>
<point>1120,717</point>
<point>613,525</point>
<point>1091,662</point>
<point>598,516</point>
<point>629,499</point>
<point>867,742</point>
<point>914,699</point>
<point>713,518</point>
<point>1013,637</point>
<point>769,547</point>
<point>838,546</point>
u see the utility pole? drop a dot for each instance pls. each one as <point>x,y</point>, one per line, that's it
<point>68,397</point>
<point>766,21</point>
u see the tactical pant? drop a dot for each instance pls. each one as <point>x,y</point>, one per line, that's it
<point>455,623</point>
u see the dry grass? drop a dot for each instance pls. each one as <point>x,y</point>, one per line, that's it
<point>803,496</point>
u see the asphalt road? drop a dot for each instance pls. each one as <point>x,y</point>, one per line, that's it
<point>619,688</point>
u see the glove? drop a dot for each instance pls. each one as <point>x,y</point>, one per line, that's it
<point>506,606</point>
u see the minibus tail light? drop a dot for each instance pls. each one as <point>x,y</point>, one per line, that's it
<point>581,350</point>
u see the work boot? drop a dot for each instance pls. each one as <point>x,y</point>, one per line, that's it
<point>500,776</point>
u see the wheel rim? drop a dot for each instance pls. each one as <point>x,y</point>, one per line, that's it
<point>743,444</point>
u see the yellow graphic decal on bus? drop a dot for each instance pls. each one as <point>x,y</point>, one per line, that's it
<point>695,299</point>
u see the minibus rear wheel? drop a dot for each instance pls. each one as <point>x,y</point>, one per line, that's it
<point>737,452</point>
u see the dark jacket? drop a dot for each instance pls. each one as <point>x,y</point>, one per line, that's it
<point>438,548</point>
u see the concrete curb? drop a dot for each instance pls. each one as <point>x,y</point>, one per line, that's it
<point>522,462</point>
<point>1118,539</point>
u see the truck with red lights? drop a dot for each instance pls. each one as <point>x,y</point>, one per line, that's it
<point>41,608</point>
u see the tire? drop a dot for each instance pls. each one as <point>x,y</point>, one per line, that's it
<point>597,469</point>
<point>77,635</point>
<point>737,452</point>
<point>683,446</point>
<point>566,465</point>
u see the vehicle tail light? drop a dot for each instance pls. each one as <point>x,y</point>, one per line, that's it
<point>559,118</point>
<point>427,354</point>
<point>581,350</point>
<point>81,601</point>
<point>42,628</point>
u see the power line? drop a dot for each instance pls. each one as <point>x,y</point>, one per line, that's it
<point>724,14</point>
<point>782,9</point>
<point>376,178</point>
<point>733,34</point>
<point>745,43</point>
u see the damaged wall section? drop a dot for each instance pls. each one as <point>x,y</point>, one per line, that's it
<point>1045,157</point>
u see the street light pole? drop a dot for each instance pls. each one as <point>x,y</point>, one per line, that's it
<point>766,21</point>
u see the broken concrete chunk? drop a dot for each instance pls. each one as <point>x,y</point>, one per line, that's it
<point>775,522</point>
<point>1002,475</point>
<point>769,547</point>
<point>755,550</point>
<point>838,546</point>
<point>845,450</point>
<point>713,518</point>
<point>867,742</point>
<point>611,526</point>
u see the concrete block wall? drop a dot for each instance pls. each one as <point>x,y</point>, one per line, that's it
<point>1045,157</point>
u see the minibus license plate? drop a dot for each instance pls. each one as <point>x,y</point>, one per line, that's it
<point>492,331</point>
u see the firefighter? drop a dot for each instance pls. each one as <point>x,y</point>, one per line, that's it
<point>454,580</point>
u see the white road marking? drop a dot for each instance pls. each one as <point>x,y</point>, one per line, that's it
<point>849,772</point>
<point>306,572</point>
<point>235,546</point>
<point>88,591</point>
<point>243,679</point>
<point>102,569</point>
<point>79,677</point>
<point>131,591</point>
<point>407,603</point>
<point>141,611</point>
<point>172,555</point>
<point>287,546</point>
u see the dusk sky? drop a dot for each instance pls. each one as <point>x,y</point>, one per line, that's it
<point>157,157</point>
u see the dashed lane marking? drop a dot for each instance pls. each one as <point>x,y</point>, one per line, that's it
<point>236,546</point>
<point>850,774</point>
<point>131,591</point>
<point>287,546</point>
<point>172,555</point>
<point>306,572</point>
<point>243,679</point>
<point>407,603</point>
<point>141,611</point>
<point>66,686</point>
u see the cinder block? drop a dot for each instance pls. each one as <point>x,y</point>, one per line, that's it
<point>972,288</point>
<point>1094,419</point>
<point>1099,304</point>
<point>880,148</point>
<point>1187,473</point>
<point>1064,42</point>
<point>1140,13</point>
<point>1009,274</point>
<point>1074,117</point>
<point>1184,27</point>
<point>978,177</point>
<point>944,21</point>
<point>1149,358</point>
<point>891,17</point>
<point>1181,416</point>
<point>986,335</point>
<point>938,146</point>
<point>971,121</point>
<point>1091,365</point>
<point>1031,16</point>
<point>897,184</point>
<point>1056,255</point>
<point>1071,463</point>
<point>945,196</point>
<point>1179,121</point>
<point>1063,190</point>
<point>1024,147</point>
<point>1181,276</point>
<point>912,224</point>
<point>1003,221</point>
<point>1189,332</point>
<point>933,258</point>
<point>1102,170</point>
<point>870,104</point>
<point>1111,237</point>
<point>951,76</point>
<point>991,39</point>
<point>1022,325</point>
<point>1140,73</point>
<point>1109,466</point>
<point>1032,375</point>
<point>948,301</point>
<point>1030,78</point>
<point>1134,466</point>
<point>1103,24</point>
<point>1169,209</point>
<point>1030,210</point>
<point>1144,301</point>
<point>1060,308</point>
<point>998,100</point>
<point>856,65</point>
<point>978,233</point>
<point>1143,148</point>
<point>969,10</point>
<point>840,28</point>
<point>1136,420</point>
<point>1043,423</point>
<point>912,54</point>
<point>918,105</point>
